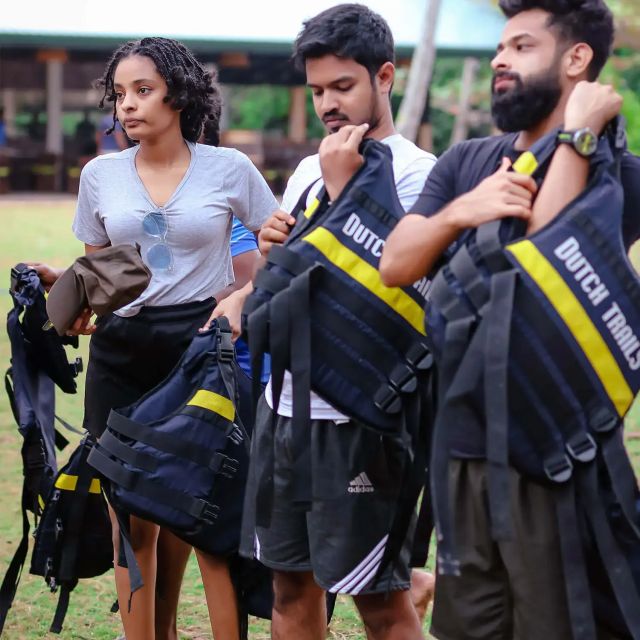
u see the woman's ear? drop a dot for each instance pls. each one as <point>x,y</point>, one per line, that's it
<point>577,60</point>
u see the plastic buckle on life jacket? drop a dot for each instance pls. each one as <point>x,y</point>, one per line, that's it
<point>387,399</point>
<point>403,379</point>
<point>558,469</point>
<point>58,528</point>
<point>419,357</point>
<point>583,448</point>
<point>48,570</point>
<point>15,278</point>
<point>603,420</point>
<point>225,346</point>
<point>209,512</point>
<point>235,434</point>
<point>76,367</point>
<point>224,465</point>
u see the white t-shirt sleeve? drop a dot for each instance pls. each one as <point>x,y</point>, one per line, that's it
<point>306,173</point>
<point>88,226</point>
<point>411,183</point>
<point>247,193</point>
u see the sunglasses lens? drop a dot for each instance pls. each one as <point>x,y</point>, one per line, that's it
<point>159,257</point>
<point>154,224</point>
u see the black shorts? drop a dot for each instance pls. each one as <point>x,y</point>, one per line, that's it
<point>130,356</point>
<point>508,590</point>
<point>335,494</point>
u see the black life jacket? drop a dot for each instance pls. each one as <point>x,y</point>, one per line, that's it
<point>73,539</point>
<point>179,455</point>
<point>319,307</point>
<point>38,364</point>
<point>321,310</point>
<point>537,341</point>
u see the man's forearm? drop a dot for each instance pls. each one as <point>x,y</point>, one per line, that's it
<point>566,179</point>
<point>416,244</point>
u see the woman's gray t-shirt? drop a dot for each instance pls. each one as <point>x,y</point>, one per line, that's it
<point>220,182</point>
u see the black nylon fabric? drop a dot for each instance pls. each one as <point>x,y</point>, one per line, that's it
<point>38,364</point>
<point>197,495</point>
<point>73,539</point>
<point>551,416</point>
<point>335,250</point>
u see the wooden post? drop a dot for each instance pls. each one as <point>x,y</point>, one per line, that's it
<point>461,126</point>
<point>10,111</point>
<point>420,72</point>
<point>298,114</point>
<point>54,59</point>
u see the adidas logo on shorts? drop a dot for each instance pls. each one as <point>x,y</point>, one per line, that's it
<point>360,484</point>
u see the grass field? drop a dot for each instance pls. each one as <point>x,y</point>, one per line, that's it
<point>41,230</point>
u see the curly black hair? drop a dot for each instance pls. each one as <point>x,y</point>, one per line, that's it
<point>350,31</point>
<point>588,21</point>
<point>191,88</point>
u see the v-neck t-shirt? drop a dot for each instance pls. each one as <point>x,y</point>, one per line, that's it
<point>218,184</point>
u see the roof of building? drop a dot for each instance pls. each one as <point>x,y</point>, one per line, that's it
<point>464,27</point>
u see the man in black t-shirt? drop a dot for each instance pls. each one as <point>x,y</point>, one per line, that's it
<point>545,73</point>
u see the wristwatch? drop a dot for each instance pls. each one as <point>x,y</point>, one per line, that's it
<point>584,141</point>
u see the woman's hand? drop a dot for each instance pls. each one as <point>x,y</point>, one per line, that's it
<point>47,274</point>
<point>231,308</point>
<point>82,325</point>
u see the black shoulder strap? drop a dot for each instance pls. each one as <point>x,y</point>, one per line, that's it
<point>12,577</point>
<point>8,385</point>
<point>303,222</point>
<point>63,605</point>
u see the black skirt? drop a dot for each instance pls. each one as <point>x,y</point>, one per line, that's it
<point>130,356</point>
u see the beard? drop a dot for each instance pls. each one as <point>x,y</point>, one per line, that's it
<point>372,118</point>
<point>526,104</point>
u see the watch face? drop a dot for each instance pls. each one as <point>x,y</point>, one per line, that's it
<point>585,142</point>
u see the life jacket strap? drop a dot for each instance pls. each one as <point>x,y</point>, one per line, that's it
<point>496,359</point>
<point>62,607</point>
<point>279,329</point>
<point>75,518</point>
<point>135,482</point>
<point>333,289</point>
<point>288,260</point>
<point>457,335</point>
<point>622,477</point>
<point>300,327</point>
<point>167,443</point>
<point>618,569</point>
<point>385,216</point>
<point>12,577</point>
<point>573,564</point>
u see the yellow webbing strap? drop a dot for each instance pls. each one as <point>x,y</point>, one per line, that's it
<point>578,322</point>
<point>368,276</point>
<point>68,483</point>
<point>311,209</point>
<point>213,402</point>
<point>526,164</point>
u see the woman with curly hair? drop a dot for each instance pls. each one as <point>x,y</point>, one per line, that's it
<point>176,199</point>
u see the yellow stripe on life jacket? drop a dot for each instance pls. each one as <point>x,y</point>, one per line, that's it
<point>213,402</point>
<point>368,276</point>
<point>526,163</point>
<point>68,483</point>
<point>40,501</point>
<point>578,322</point>
<point>311,209</point>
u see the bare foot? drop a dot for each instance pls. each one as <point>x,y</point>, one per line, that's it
<point>422,590</point>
